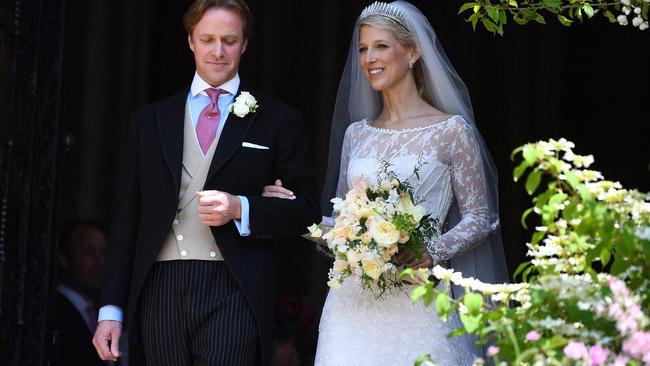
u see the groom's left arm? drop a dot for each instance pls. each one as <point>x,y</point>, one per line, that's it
<point>273,217</point>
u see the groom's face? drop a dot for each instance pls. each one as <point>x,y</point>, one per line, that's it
<point>218,42</point>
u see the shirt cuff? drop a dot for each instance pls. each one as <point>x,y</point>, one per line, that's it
<point>110,312</point>
<point>243,224</point>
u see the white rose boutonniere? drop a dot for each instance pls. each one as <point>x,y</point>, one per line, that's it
<point>244,104</point>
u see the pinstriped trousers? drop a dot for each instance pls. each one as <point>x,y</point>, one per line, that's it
<point>193,313</point>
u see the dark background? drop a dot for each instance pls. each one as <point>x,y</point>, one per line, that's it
<point>72,71</point>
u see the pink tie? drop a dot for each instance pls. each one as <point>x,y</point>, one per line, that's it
<point>206,127</point>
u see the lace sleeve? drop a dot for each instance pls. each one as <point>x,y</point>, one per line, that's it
<point>469,191</point>
<point>342,186</point>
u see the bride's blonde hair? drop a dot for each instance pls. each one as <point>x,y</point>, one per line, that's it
<point>405,38</point>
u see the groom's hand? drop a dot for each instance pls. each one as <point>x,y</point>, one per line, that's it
<point>108,331</point>
<point>217,208</point>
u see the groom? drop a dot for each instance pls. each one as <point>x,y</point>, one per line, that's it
<point>189,268</point>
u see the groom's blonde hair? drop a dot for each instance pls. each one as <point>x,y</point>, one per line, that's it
<point>195,12</point>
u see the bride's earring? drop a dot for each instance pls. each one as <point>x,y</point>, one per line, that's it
<point>411,63</point>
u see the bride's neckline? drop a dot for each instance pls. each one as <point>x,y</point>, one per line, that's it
<point>367,123</point>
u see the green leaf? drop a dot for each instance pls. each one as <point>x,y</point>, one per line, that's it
<point>520,19</point>
<point>524,275</point>
<point>552,4</point>
<point>405,273</point>
<point>471,323</point>
<point>520,169</point>
<point>555,342</point>
<point>474,19</point>
<point>515,152</point>
<point>512,3</point>
<point>557,198</point>
<point>537,237</point>
<point>428,296</point>
<point>473,302</point>
<point>538,296</point>
<point>493,13</point>
<point>418,292</point>
<point>442,305</point>
<point>524,216</point>
<point>585,194</point>
<point>466,7</point>
<point>533,180</point>
<point>572,179</point>
<point>542,199</point>
<point>610,16</point>
<point>521,267</point>
<point>570,211</point>
<point>487,23</point>
<point>530,154</point>
<point>503,19</point>
<point>644,10</point>
<point>588,10</point>
<point>605,256</point>
<point>564,20</point>
<point>457,332</point>
<point>423,360</point>
<point>539,19</point>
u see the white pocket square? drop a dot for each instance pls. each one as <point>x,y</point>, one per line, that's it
<point>254,146</point>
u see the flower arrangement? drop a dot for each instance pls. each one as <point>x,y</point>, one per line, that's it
<point>375,222</point>
<point>584,298</point>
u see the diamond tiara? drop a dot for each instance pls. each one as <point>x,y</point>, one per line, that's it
<point>387,10</point>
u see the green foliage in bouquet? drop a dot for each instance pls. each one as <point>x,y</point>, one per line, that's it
<point>584,297</point>
<point>494,14</point>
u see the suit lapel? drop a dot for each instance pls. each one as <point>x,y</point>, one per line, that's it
<point>170,118</point>
<point>232,135</point>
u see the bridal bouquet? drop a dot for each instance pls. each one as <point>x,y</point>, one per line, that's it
<point>375,223</point>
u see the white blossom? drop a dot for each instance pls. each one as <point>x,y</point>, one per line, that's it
<point>637,21</point>
<point>643,233</point>
<point>622,19</point>
<point>442,273</point>
<point>644,25</point>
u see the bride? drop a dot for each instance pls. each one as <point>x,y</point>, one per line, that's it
<point>409,105</point>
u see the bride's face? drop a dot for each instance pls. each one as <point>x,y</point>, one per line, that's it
<point>384,61</point>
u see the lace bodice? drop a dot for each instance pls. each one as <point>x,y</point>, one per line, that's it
<point>451,169</point>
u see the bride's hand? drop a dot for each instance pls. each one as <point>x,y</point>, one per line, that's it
<point>411,261</point>
<point>278,191</point>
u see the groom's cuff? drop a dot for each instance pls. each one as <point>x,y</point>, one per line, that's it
<point>243,224</point>
<point>110,312</point>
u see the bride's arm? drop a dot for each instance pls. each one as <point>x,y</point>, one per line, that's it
<point>469,190</point>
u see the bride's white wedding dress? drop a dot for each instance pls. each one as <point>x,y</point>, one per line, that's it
<point>358,329</point>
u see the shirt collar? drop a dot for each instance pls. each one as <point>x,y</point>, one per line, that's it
<point>77,299</point>
<point>199,85</point>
